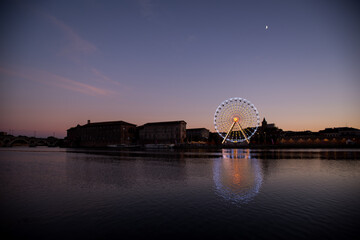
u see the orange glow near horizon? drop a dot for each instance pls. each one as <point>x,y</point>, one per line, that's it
<point>45,90</point>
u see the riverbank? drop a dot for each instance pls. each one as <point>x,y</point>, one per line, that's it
<point>266,146</point>
<point>228,146</point>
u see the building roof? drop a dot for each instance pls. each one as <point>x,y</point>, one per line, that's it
<point>339,129</point>
<point>196,129</point>
<point>104,124</point>
<point>164,123</point>
<point>109,123</point>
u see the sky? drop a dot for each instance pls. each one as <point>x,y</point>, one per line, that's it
<point>65,62</point>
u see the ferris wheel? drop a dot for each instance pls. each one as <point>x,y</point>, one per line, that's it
<point>236,120</point>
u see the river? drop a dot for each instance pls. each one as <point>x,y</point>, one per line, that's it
<point>59,193</point>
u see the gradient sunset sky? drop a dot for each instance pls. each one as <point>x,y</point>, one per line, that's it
<point>64,62</point>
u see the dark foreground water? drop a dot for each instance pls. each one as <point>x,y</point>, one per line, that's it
<point>52,193</point>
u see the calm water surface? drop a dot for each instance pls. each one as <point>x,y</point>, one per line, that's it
<point>49,193</point>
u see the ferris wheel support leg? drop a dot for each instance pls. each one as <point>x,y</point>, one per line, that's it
<point>242,131</point>
<point>232,126</point>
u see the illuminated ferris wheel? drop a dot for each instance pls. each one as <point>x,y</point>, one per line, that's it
<point>236,120</point>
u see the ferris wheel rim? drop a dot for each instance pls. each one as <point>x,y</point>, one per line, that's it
<point>251,117</point>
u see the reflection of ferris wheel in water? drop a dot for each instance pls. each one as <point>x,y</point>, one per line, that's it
<point>236,120</point>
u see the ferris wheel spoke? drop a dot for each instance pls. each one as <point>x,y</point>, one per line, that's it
<point>242,131</point>
<point>232,126</point>
<point>249,132</point>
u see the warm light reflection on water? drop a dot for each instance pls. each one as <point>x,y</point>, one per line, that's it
<point>237,176</point>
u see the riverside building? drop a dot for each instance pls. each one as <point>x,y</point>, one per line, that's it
<point>173,132</point>
<point>101,134</point>
<point>197,134</point>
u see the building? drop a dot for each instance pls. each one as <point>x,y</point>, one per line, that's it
<point>101,134</point>
<point>163,132</point>
<point>268,133</point>
<point>340,132</point>
<point>197,134</point>
<point>326,137</point>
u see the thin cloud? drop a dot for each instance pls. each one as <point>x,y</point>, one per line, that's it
<point>54,80</point>
<point>100,75</point>
<point>76,43</point>
<point>75,86</point>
